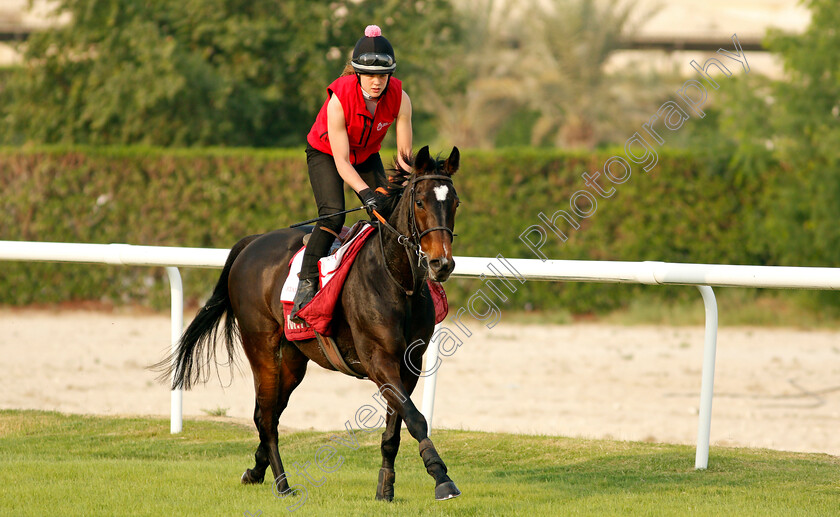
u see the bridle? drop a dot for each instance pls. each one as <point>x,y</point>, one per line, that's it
<point>411,242</point>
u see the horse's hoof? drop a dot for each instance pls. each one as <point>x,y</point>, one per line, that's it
<point>248,478</point>
<point>446,490</point>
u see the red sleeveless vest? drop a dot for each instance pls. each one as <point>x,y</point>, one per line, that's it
<point>364,131</point>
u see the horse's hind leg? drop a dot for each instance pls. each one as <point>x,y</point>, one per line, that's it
<point>257,474</point>
<point>292,369</point>
<point>261,349</point>
<point>278,369</point>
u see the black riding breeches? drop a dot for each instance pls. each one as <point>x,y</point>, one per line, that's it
<point>328,188</point>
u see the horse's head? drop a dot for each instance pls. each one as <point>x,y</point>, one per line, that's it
<point>433,202</point>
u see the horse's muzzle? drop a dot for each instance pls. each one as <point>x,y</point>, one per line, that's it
<point>441,268</point>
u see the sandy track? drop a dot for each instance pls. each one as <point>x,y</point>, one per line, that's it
<point>775,388</point>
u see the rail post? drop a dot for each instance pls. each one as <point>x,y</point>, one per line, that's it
<point>707,384</point>
<point>176,290</point>
<point>430,383</point>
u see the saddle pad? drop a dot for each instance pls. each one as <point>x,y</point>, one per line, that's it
<point>328,267</point>
<point>333,270</point>
<point>337,250</point>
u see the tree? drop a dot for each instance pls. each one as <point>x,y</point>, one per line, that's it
<point>542,63</point>
<point>565,58</point>
<point>796,120</point>
<point>197,72</point>
<point>481,92</point>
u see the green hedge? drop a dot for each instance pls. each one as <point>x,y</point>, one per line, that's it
<point>688,209</point>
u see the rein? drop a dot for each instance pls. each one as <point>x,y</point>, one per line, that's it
<point>411,242</point>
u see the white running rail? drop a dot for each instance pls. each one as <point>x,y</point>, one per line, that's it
<point>660,273</point>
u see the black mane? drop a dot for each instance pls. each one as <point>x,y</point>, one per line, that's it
<point>397,181</point>
<point>399,177</point>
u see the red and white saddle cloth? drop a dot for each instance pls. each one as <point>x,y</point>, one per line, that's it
<point>333,271</point>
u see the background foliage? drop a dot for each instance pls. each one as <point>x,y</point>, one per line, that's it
<point>201,72</point>
<point>687,210</point>
<point>758,181</point>
<point>796,119</point>
<point>253,73</point>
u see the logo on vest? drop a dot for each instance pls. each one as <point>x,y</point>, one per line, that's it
<point>381,125</point>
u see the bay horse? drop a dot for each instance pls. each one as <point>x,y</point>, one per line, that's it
<point>384,305</point>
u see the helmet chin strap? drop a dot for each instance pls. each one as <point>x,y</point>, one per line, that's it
<point>368,96</point>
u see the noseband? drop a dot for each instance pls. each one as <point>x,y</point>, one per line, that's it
<point>412,242</point>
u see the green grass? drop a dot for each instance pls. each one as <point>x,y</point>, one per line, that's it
<point>219,411</point>
<point>57,464</point>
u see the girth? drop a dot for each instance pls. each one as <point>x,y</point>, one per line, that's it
<point>330,350</point>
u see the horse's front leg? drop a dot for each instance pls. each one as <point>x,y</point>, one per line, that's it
<point>385,372</point>
<point>391,437</point>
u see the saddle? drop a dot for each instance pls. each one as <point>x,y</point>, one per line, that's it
<point>333,271</point>
<point>344,236</point>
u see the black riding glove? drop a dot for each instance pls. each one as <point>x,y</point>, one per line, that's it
<point>372,200</point>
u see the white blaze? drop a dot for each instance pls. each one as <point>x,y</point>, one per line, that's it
<point>441,192</point>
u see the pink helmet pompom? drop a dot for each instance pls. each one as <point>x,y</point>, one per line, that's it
<point>372,31</point>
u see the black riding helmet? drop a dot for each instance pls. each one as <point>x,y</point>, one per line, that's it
<point>373,53</point>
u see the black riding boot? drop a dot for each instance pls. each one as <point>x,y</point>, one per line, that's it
<point>317,247</point>
<point>305,292</point>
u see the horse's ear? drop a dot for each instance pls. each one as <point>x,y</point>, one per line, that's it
<point>451,164</point>
<point>421,161</point>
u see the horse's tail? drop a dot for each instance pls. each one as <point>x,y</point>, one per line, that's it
<point>190,363</point>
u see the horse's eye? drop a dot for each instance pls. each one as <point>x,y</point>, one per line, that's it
<point>419,204</point>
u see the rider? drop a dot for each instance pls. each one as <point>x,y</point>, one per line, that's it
<point>343,145</point>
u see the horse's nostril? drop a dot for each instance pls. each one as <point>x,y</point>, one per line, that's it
<point>438,263</point>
